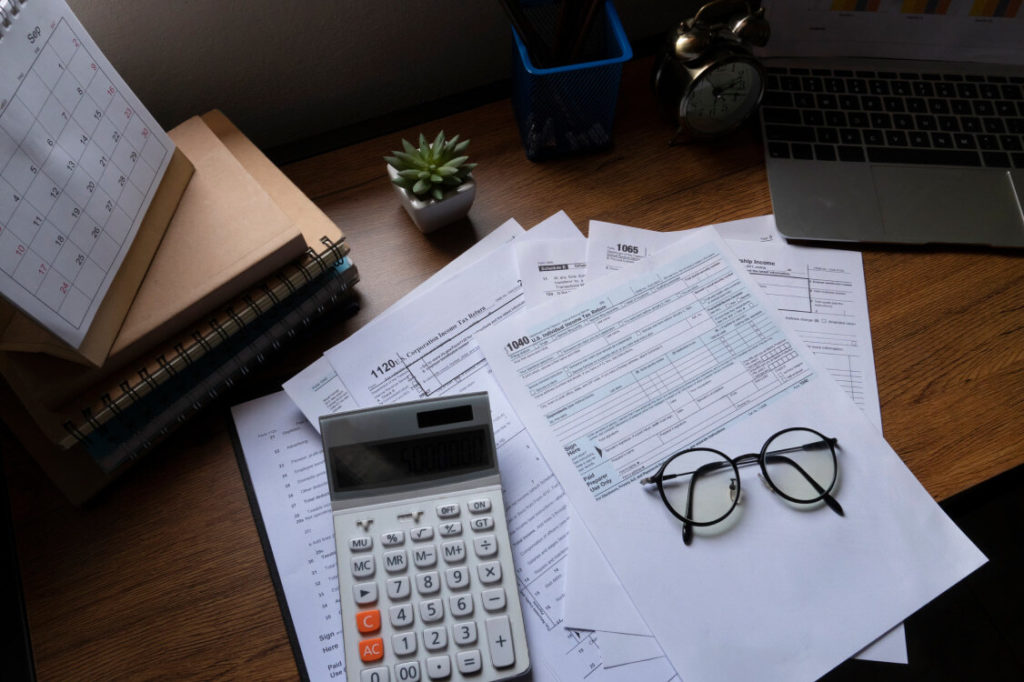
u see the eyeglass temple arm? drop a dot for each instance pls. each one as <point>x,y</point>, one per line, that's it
<point>704,468</point>
<point>830,502</point>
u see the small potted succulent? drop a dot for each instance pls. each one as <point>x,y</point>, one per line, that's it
<point>434,181</point>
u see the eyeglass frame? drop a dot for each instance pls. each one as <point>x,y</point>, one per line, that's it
<point>749,458</point>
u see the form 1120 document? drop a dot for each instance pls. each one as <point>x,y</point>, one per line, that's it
<point>613,378</point>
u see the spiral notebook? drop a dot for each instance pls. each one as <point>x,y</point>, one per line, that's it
<point>81,162</point>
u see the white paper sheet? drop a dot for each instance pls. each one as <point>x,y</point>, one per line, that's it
<point>284,456</point>
<point>316,390</point>
<point>821,293</point>
<point>551,267</point>
<point>612,351</point>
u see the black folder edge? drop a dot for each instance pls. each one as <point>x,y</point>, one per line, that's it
<point>268,553</point>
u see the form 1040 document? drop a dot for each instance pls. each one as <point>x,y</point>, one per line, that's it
<point>613,378</point>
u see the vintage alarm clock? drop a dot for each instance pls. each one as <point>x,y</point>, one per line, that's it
<point>705,75</point>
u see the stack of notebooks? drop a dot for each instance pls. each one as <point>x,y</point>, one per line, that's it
<point>244,261</point>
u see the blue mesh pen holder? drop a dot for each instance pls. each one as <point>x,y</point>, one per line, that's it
<point>569,109</point>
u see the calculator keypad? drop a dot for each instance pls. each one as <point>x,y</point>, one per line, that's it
<point>434,593</point>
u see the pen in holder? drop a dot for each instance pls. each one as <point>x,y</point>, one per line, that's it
<point>566,108</point>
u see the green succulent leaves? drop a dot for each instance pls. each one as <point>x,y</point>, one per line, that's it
<point>433,168</point>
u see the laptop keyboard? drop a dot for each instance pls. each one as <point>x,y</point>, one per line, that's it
<point>894,117</point>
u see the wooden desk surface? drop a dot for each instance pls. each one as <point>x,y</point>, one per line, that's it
<point>164,575</point>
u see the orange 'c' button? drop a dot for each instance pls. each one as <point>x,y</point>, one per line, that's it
<point>371,649</point>
<point>368,621</point>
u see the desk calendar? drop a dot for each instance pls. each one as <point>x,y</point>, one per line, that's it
<point>80,161</point>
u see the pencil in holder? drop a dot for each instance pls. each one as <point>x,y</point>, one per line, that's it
<point>569,109</point>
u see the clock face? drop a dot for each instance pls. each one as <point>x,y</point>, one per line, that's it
<point>721,97</point>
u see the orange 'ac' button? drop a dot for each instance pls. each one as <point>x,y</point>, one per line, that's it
<point>371,649</point>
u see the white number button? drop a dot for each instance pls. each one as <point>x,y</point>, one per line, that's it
<point>398,588</point>
<point>431,610</point>
<point>404,644</point>
<point>461,605</point>
<point>408,672</point>
<point>428,583</point>
<point>464,633</point>
<point>435,639</point>
<point>381,674</point>
<point>401,616</point>
<point>457,578</point>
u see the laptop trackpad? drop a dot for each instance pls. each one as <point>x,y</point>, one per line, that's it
<point>948,205</point>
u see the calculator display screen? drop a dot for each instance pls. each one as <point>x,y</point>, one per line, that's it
<point>360,466</point>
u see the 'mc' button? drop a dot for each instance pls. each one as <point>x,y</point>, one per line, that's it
<point>368,621</point>
<point>371,649</point>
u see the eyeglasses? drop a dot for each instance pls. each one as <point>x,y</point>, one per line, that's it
<point>701,486</point>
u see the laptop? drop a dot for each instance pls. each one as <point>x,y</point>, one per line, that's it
<point>897,144</point>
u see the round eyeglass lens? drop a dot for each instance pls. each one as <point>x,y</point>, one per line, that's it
<point>801,464</point>
<point>700,486</point>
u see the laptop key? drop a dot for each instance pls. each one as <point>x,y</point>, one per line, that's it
<point>773,98</point>
<point>942,140</point>
<point>896,138</point>
<point>971,124</point>
<point>996,159</point>
<point>1005,108</point>
<point>1011,143</point>
<point>960,107</point>
<point>873,137</point>
<point>847,153</point>
<point>825,152</point>
<point>802,151</point>
<point>990,142</point>
<point>919,139</point>
<point>964,141</point>
<point>779,115</point>
<point>993,125</point>
<point>786,133</point>
<point>937,157</point>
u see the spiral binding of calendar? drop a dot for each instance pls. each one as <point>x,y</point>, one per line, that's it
<point>192,347</point>
<point>9,10</point>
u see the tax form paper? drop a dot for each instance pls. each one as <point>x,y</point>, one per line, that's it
<point>615,377</point>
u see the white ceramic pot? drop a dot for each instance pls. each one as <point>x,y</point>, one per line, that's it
<point>432,214</point>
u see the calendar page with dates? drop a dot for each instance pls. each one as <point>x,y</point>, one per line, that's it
<point>80,161</point>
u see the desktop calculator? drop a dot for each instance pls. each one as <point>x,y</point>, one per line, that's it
<point>427,582</point>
